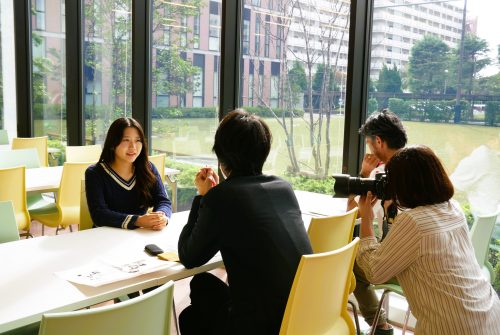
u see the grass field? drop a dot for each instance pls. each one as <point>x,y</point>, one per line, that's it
<point>194,137</point>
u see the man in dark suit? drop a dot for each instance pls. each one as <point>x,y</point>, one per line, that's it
<point>255,222</point>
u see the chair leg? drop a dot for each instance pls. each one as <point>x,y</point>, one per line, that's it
<point>71,228</point>
<point>176,322</point>
<point>43,229</point>
<point>356,319</point>
<point>377,315</point>
<point>407,317</point>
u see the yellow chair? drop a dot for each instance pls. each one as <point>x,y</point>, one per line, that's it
<point>153,308</point>
<point>66,210</point>
<point>318,298</point>
<point>85,218</point>
<point>83,153</point>
<point>159,163</point>
<point>13,188</point>
<point>331,233</point>
<point>40,143</point>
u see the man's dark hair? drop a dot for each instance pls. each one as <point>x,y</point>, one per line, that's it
<point>416,177</point>
<point>242,143</point>
<point>387,126</point>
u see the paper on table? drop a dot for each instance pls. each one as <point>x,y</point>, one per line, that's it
<point>113,269</point>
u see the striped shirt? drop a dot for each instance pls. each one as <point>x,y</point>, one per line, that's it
<point>429,251</point>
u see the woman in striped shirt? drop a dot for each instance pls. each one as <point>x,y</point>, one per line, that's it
<point>428,250</point>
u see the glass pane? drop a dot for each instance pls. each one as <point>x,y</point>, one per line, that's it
<point>186,63</point>
<point>49,71</point>
<point>448,100</point>
<point>293,74</point>
<point>7,69</point>
<point>107,65</point>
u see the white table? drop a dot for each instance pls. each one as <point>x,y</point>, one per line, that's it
<point>29,288</point>
<point>45,179</point>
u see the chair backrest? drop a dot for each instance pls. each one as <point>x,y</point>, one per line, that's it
<point>159,163</point>
<point>4,136</point>
<point>39,143</point>
<point>85,218</point>
<point>480,235</point>
<point>333,232</point>
<point>26,157</point>
<point>8,225</point>
<point>317,303</point>
<point>13,188</point>
<point>83,153</point>
<point>68,199</point>
<point>146,314</point>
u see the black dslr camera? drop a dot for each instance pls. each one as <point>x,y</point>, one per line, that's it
<point>346,185</point>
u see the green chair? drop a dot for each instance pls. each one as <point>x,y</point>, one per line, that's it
<point>480,235</point>
<point>18,157</point>
<point>66,210</point>
<point>8,224</point>
<point>389,288</point>
<point>4,136</point>
<point>39,143</point>
<point>29,159</point>
<point>146,314</point>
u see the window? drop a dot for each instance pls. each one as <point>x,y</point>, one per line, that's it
<point>199,62</point>
<point>266,36</point>
<point>196,32</point>
<point>214,29</point>
<point>48,71</point>
<point>8,116</point>
<point>185,87</point>
<point>265,84</point>
<point>40,14</point>
<point>246,31</point>
<point>257,34</point>
<point>107,65</point>
<point>422,90</point>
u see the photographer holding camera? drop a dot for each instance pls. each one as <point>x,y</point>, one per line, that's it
<point>428,249</point>
<point>384,134</point>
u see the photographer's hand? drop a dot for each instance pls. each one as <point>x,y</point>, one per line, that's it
<point>365,209</point>
<point>370,162</point>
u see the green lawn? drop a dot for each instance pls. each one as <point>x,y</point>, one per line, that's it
<point>450,142</point>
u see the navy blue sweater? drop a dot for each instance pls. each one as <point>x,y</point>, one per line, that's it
<point>114,202</point>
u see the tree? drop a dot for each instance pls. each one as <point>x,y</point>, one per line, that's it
<point>427,64</point>
<point>475,59</point>
<point>298,82</point>
<point>389,80</point>
<point>173,73</point>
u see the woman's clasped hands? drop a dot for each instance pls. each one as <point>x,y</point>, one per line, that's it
<point>153,221</point>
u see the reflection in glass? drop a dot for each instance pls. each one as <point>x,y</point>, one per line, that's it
<point>186,62</point>
<point>107,65</point>
<point>294,67</point>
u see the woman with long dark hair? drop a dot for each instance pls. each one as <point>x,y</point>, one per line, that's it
<point>123,185</point>
<point>428,250</point>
